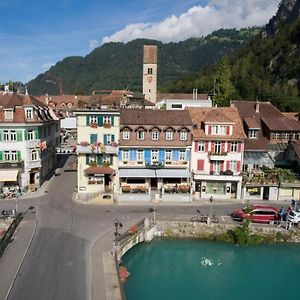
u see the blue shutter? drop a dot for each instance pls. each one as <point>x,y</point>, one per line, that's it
<point>87,120</point>
<point>175,155</point>
<point>148,156</point>
<point>187,154</point>
<point>132,154</point>
<point>100,120</point>
<point>105,139</point>
<point>161,155</point>
<point>120,154</point>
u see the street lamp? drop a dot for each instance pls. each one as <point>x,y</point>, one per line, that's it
<point>211,199</point>
<point>118,225</point>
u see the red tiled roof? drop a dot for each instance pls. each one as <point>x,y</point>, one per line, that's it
<point>98,170</point>
<point>281,124</point>
<point>252,123</point>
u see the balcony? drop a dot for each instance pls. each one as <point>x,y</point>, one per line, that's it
<point>34,164</point>
<point>12,165</point>
<point>175,163</point>
<point>132,163</point>
<point>217,156</point>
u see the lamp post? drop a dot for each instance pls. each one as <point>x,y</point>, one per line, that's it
<point>117,226</point>
<point>211,199</point>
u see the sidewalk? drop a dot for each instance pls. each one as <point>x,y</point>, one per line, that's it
<point>15,252</point>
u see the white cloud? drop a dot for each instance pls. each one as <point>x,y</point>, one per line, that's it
<point>93,44</point>
<point>201,20</point>
<point>48,65</point>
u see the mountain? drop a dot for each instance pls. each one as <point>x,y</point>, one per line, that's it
<point>119,65</point>
<point>267,68</point>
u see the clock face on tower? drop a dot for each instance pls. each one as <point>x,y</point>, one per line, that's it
<point>149,78</point>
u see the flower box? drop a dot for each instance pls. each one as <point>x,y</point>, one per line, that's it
<point>91,182</point>
<point>94,125</point>
<point>106,125</point>
<point>84,143</point>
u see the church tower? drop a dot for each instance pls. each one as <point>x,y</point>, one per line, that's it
<point>150,72</point>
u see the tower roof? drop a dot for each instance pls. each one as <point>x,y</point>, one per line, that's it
<point>150,54</point>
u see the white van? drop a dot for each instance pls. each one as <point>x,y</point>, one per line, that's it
<point>294,213</point>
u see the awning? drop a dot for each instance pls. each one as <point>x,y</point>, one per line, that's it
<point>172,173</point>
<point>8,175</point>
<point>257,158</point>
<point>137,173</point>
<point>98,170</point>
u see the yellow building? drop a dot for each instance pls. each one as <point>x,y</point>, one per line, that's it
<point>97,153</point>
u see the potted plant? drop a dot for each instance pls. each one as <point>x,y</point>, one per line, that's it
<point>94,125</point>
<point>106,125</point>
<point>133,229</point>
<point>84,143</point>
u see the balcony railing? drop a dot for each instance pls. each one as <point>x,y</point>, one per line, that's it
<point>217,155</point>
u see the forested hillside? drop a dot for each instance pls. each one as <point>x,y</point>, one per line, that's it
<point>119,65</point>
<point>266,68</point>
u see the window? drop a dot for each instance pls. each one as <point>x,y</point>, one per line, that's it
<point>168,155</point>
<point>30,135</point>
<point>293,136</point>
<point>125,154</point>
<point>106,158</point>
<point>169,135</point>
<point>34,155</point>
<point>92,158</point>
<point>108,139</point>
<point>223,130</point>
<point>29,113</point>
<point>234,147</point>
<point>181,154</point>
<point>276,136</point>
<point>107,119</point>
<point>214,129</point>
<point>155,135</point>
<point>13,135</point>
<point>150,71</point>
<point>140,155</point>
<point>183,135</point>
<point>178,106</point>
<point>252,134</point>
<point>140,135</point>
<point>93,119</point>
<point>216,166</point>
<point>201,146</point>
<point>154,155</point>
<point>8,114</point>
<point>126,135</point>
<point>217,147</point>
<point>285,136</point>
<point>7,155</point>
<point>5,135</point>
<point>10,155</point>
<point>232,165</point>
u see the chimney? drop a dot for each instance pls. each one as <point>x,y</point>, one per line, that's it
<point>257,104</point>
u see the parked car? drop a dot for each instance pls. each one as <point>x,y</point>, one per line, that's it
<point>293,214</point>
<point>257,213</point>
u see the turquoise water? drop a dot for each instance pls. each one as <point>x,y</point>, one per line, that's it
<point>190,269</point>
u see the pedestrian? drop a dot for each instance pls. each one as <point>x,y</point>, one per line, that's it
<point>282,214</point>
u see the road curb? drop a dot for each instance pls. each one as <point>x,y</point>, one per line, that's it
<point>22,261</point>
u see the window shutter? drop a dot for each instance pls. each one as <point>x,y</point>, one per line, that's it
<point>25,135</point>
<point>36,134</point>
<point>93,138</point>
<point>227,130</point>
<point>223,147</point>
<point>238,166</point>
<point>239,147</point>
<point>105,139</point>
<point>112,138</point>
<point>112,118</point>
<point>228,146</point>
<point>222,166</point>
<point>200,165</point>
<point>99,159</point>
<point>19,155</point>
<point>211,168</point>
<point>209,129</point>
<point>206,147</point>
<point>196,146</point>
<point>100,121</point>
<point>111,160</point>
<point>1,155</point>
<point>19,135</point>
<point>1,135</point>
<point>120,154</point>
<point>87,120</point>
<point>87,159</point>
<point>227,165</point>
<point>212,147</point>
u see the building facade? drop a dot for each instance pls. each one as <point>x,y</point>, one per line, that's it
<point>154,155</point>
<point>217,152</point>
<point>29,133</point>
<point>97,149</point>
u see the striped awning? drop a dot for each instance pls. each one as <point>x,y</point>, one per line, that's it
<point>173,173</point>
<point>8,175</point>
<point>137,173</point>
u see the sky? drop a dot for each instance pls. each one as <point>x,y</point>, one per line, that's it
<point>36,34</point>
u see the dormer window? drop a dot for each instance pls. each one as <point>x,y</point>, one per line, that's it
<point>8,114</point>
<point>252,134</point>
<point>126,135</point>
<point>215,129</point>
<point>169,135</point>
<point>140,134</point>
<point>155,135</point>
<point>29,113</point>
<point>276,136</point>
<point>183,135</point>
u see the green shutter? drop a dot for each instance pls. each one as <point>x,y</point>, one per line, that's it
<point>1,135</point>
<point>87,159</point>
<point>1,155</point>
<point>112,138</point>
<point>87,120</point>
<point>19,135</point>
<point>112,118</point>
<point>19,155</point>
<point>36,134</point>
<point>100,121</point>
<point>99,159</point>
<point>105,139</point>
<point>111,160</point>
<point>25,135</point>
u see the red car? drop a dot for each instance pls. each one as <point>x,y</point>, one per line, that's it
<point>257,213</point>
